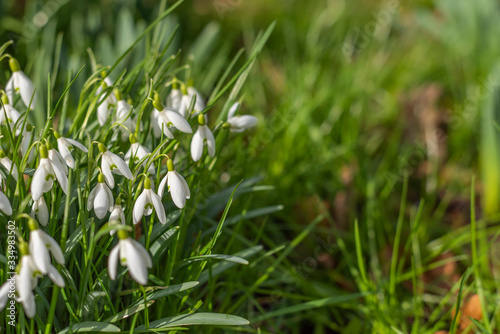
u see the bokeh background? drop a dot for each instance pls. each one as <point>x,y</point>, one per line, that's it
<point>371,111</point>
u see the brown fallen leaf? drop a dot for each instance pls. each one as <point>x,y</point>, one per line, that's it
<point>471,307</point>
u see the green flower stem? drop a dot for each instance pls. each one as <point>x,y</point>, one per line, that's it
<point>64,237</point>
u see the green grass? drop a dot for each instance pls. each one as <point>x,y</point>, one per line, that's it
<point>360,187</point>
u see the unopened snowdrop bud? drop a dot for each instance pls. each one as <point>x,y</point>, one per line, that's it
<point>65,146</point>
<point>238,123</point>
<point>20,83</point>
<point>131,254</point>
<point>202,135</point>
<point>100,198</point>
<point>41,211</point>
<point>41,246</point>
<point>145,203</point>
<point>8,114</point>
<point>46,173</point>
<point>110,162</point>
<point>117,216</point>
<point>177,186</point>
<point>8,164</point>
<point>138,152</point>
<point>28,138</point>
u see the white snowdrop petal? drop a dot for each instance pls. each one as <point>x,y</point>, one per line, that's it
<point>178,121</point>
<point>55,276</point>
<point>26,89</point>
<point>148,209</point>
<point>138,211</point>
<point>10,167</point>
<point>102,112</point>
<point>121,165</point>
<point>39,251</point>
<point>54,247</point>
<point>90,200</point>
<point>135,263</point>
<point>243,122</point>
<point>232,110</point>
<point>210,141</point>
<point>61,177</point>
<point>174,99</point>
<point>144,253</point>
<point>161,187</point>
<point>65,153</point>
<point>197,145</point>
<point>163,124</point>
<point>77,144</point>
<point>113,261</point>
<point>158,205</point>
<point>38,181</point>
<point>56,159</point>
<point>101,202</point>
<point>177,190</point>
<point>111,200</point>
<point>5,206</point>
<point>155,122</point>
<point>42,211</point>
<point>106,171</point>
<point>186,186</point>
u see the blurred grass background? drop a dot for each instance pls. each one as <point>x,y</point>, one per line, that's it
<point>380,111</point>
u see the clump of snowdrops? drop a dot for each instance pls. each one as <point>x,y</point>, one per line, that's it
<point>97,202</point>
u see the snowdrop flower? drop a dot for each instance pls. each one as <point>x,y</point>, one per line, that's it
<point>28,138</point>
<point>24,283</point>
<point>41,246</point>
<point>124,115</point>
<point>110,162</point>
<point>117,216</point>
<point>174,97</point>
<point>199,105</point>
<point>65,146</point>
<point>146,202</point>
<point>56,158</point>
<point>201,135</point>
<point>8,114</point>
<point>8,164</point>
<point>100,198</point>
<point>46,173</point>
<point>239,123</point>
<point>179,100</point>
<point>155,114</point>
<point>177,186</point>
<point>5,206</point>
<point>169,117</point>
<point>19,82</point>
<point>138,152</point>
<point>131,254</point>
<point>105,104</point>
<point>41,211</point>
